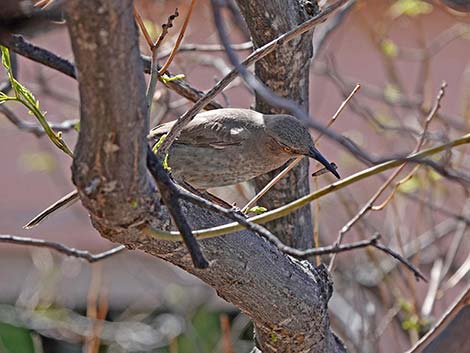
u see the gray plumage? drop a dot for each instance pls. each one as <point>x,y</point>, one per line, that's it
<point>228,146</point>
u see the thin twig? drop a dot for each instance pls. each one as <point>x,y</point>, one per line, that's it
<point>66,200</point>
<point>368,206</point>
<point>153,46</point>
<point>206,48</point>
<point>35,128</point>
<point>340,110</point>
<point>179,39</point>
<point>269,185</point>
<point>286,170</point>
<point>316,226</point>
<point>165,28</point>
<point>143,29</point>
<point>226,337</point>
<point>400,258</point>
<point>59,247</point>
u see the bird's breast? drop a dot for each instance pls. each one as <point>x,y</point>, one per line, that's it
<point>206,167</point>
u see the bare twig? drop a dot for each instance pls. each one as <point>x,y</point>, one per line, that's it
<point>82,254</point>
<point>368,206</point>
<point>179,39</point>
<point>67,200</point>
<point>35,128</point>
<point>263,191</point>
<point>153,46</point>
<point>206,48</point>
<point>165,28</point>
<point>143,29</point>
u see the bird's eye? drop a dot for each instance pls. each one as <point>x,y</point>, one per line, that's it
<point>287,149</point>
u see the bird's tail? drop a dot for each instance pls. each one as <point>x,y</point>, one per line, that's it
<point>65,201</point>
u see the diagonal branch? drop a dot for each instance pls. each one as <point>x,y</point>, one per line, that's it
<point>170,197</point>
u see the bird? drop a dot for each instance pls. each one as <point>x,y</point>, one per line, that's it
<point>232,145</point>
<point>223,147</point>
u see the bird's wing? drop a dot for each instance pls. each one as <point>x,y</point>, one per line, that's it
<point>215,132</point>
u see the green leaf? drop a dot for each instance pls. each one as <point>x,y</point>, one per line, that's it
<point>411,185</point>
<point>158,144</point>
<point>134,203</point>
<point>25,97</point>
<point>406,306</point>
<point>5,58</point>
<point>203,332</point>
<point>410,8</point>
<point>258,209</point>
<point>155,150</point>
<point>165,164</point>
<point>411,323</point>
<point>389,48</point>
<point>274,337</point>
<point>166,78</point>
<point>15,339</point>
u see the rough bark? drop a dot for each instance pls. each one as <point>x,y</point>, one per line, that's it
<point>286,299</point>
<point>286,72</point>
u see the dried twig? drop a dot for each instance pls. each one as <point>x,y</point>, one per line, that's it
<point>263,191</point>
<point>153,46</point>
<point>66,200</point>
<point>82,254</point>
<point>179,39</point>
<point>35,128</point>
<point>368,206</point>
<point>206,48</point>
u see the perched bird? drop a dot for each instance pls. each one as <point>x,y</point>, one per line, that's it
<point>224,147</point>
<point>228,146</point>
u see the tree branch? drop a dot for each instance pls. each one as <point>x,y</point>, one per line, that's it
<point>59,247</point>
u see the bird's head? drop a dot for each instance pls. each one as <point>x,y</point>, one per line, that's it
<point>293,137</point>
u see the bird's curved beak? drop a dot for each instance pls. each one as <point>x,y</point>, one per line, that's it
<point>315,154</point>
